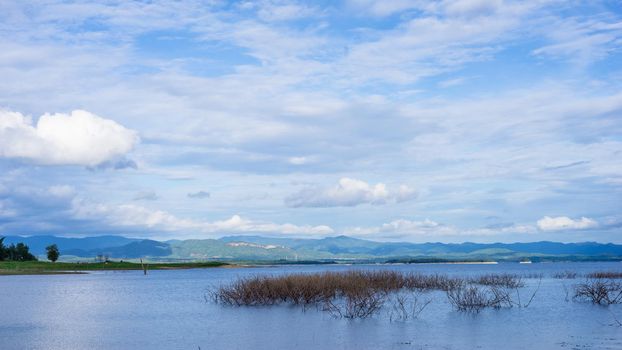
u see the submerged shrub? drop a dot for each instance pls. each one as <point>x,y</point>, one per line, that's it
<point>359,294</point>
<point>565,275</point>
<point>599,291</point>
<point>605,274</point>
<point>407,305</point>
<point>490,291</point>
<point>502,280</point>
<point>473,298</point>
<point>431,282</point>
<point>534,275</point>
<point>359,304</point>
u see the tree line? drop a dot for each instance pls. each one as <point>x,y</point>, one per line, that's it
<point>21,252</point>
<point>15,252</point>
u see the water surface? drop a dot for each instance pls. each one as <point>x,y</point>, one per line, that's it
<point>168,310</point>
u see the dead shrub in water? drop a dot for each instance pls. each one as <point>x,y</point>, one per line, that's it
<point>501,280</point>
<point>565,275</point>
<point>472,298</point>
<point>266,290</point>
<point>360,304</point>
<point>407,305</point>
<point>358,294</point>
<point>533,275</point>
<point>490,291</point>
<point>605,274</point>
<point>431,282</point>
<point>599,291</point>
<point>361,293</point>
<point>468,298</point>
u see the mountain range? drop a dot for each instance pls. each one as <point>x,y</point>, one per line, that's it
<point>340,248</point>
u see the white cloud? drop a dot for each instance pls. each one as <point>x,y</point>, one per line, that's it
<point>130,215</point>
<point>560,223</point>
<point>61,191</point>
<point>5,211</point>
<point>283,11</point>
<point>405,193</point>
<point>79,138</point>
<point>442,40</point>
<point>451,82</point>
<point>297,160</point>
<point>404,227</point>
<point>240,225</point>
<point>432,230</point>
<point>581,41</point>
<point>312,100</point>
<point>507,229</point>
<point>348,193</point>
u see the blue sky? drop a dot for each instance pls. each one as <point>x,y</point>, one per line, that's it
<point>401,120</point>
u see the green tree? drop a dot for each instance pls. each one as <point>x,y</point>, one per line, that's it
<point>20,252</point>
<point>3,250</point>
<point>53,252</point>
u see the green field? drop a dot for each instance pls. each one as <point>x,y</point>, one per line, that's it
<point>44,267</point>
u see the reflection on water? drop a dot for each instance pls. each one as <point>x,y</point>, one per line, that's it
<point>167,310</point>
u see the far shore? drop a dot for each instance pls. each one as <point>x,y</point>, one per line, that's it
<point>61,268</point>
<point>12,268</point>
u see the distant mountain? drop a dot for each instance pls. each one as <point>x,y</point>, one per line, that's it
<point>327,249</point>
<point>287,242</point>
<point>238,249</point>
<point>133,250</point>
<point>37,244</point>
<point>349,245</point>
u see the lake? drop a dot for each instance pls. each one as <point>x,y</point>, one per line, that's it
<point>169,310</point>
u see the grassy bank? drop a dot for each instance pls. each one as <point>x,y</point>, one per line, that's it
<point>44,267</point>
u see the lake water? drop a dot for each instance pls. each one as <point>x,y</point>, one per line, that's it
<point>168,310</point>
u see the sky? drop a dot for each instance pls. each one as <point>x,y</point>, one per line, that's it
<point>443,121</point>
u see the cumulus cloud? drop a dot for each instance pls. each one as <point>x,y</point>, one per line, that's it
<point>348,193</point>
<point>199,195</point>
<point>560,223</point>
<point>78,138</point>
<point>136,216</point>
<point>429,229</point>
<point>240,225</point>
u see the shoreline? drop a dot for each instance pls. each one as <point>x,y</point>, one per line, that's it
<point>39,272</point>
<point>68,268</point>
<point>13,268</point>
